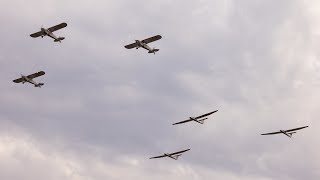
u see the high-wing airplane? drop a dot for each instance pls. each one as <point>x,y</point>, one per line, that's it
<point>144,43</point>
<point>286,132</point>
<point>49,32</point>
<point>30,78</point>
<point>174,155</point>
<point>199,119</point>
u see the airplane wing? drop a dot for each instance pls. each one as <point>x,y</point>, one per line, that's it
<point>151,39</point>
<point>206,114</point>
<point>57,27</point>
<point>37,34</point>
<point>181,122</point>
<point>130,46</point>
<point>295,129</point>
<point>179,152</point>
<point>18,80</point>
<point>40,73</point>
<point>158,157</point>
<point>278,132</point>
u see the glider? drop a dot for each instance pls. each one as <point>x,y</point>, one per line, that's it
<point>199,119</point>
<point>286,132</point>
<point>49,32</point>
<point>30,78</point>
<point>144,43</point>
<point>174,155</point>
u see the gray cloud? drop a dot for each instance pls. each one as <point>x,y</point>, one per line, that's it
<point>105,109</point>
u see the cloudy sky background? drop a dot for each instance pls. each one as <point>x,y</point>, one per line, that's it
<point>104,110</point>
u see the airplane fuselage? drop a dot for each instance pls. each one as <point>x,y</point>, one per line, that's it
<point>46,32</point>
<point>145,46</point>
<point>31,81</point>
<point>172,157</point>
<point>196,120</point>
<point>285,133</point>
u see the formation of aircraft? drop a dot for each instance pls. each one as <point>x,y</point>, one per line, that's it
<point>174,155</point>
<point>137,44</point>
<point>30,78</point>
<point>288,132</point>
<point>144,44</point>
<point>49,32</point>
<point>200,119</point>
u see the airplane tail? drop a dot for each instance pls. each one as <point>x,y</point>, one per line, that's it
<point>176,157</point>
<point>59,39</point>
<point>39,85</point>
<point>201,121</point>
<point>154,50</point>
<point>290,134</point>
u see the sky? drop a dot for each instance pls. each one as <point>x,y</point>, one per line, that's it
<point>104,110</point>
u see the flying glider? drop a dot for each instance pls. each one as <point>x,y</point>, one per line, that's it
<point>144,44</point>
<point>30,78</point>
<point>286,132</point>
<point>174,155</point>
<point>49,32</point>
<point>199,119</point>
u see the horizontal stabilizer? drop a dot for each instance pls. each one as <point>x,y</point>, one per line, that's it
<point>153,51</point>
<point>39,85</point>
<point>59,39</point>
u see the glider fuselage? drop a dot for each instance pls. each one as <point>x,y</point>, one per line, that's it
<point>285,133</point>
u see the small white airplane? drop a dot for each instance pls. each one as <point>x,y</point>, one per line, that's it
<point>174,155</point>
<point>144,43</point>
<point>30,78</point>
<point>199,119</point>
<point>49,32</point>
<point>287,132</point>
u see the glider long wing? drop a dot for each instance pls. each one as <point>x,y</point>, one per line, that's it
<point>179,152</point>
<point>278,132</point>
<point>37,34</point>
<point>296,129</point>
<point>57,27</point>
<point>130,46</point>
<point>151,39</point>
<point>181,122</point>
<point>158,157</point>
<point>40,73</point>
<point>206,114</point>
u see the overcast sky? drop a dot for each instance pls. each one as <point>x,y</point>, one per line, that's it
<point>104,110</point>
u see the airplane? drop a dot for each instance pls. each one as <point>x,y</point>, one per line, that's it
<point>174,155</point>
<point>30,78</point>
<point>49,32</point>
<point>286,132</point>
<point>197,119</point>
<point>144,43</point>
